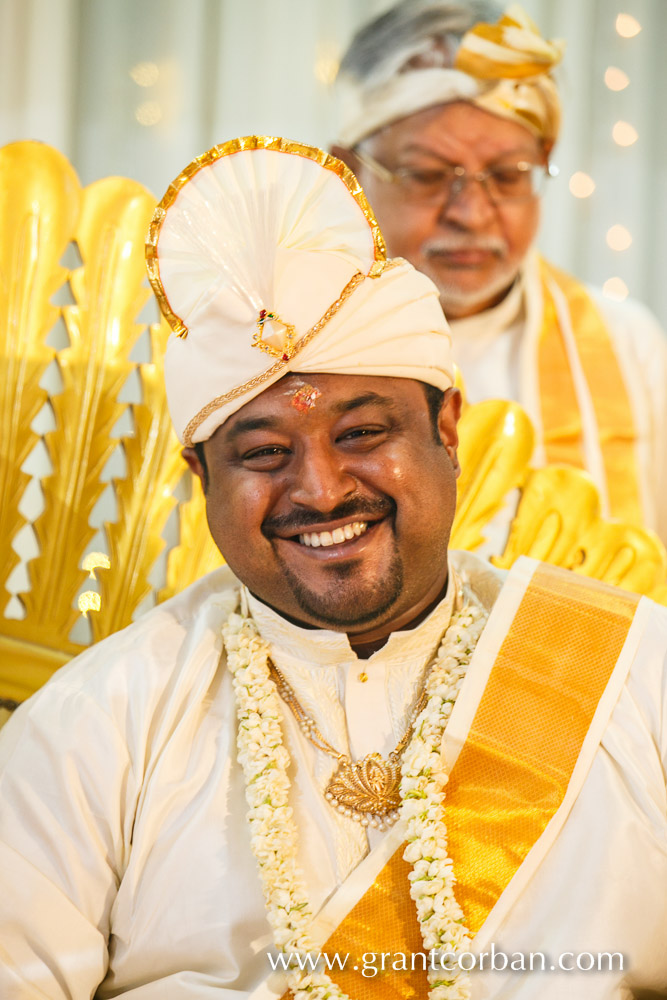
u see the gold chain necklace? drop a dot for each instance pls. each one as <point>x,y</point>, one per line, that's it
<point>366,790</point>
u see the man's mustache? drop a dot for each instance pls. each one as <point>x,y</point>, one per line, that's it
<point>444,245</point>
<point>354,508</point>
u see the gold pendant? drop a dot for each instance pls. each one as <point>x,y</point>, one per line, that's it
<point>366,787</point>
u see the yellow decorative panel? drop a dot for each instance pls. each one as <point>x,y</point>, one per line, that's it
<point>109,292</point>
<point>558,521</point>
<point>144,499</point>
<point>39,207</point>
<point>496,441</point>
<point>196,553</point>
<point>558,504</point>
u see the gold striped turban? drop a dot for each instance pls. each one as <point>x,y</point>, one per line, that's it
<point>504,68</point>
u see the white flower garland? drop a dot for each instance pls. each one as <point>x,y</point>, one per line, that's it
<point>425,775</point>
<point>273,831</point>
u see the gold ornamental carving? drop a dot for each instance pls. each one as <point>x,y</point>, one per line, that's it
<point>45,211</point>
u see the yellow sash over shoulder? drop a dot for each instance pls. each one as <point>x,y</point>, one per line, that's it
<point>560,404</point>
<point>542,696</point>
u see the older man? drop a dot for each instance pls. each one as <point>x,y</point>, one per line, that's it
<point>257,769</point>
<point>449,123</point>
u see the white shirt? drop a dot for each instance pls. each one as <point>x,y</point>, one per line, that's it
<point>123,813</point>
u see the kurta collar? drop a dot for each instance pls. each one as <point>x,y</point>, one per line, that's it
<point>322,647</point>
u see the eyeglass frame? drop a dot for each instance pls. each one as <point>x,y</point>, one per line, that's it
<point>461,177</point>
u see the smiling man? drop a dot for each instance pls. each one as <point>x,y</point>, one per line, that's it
<point>449,116</point>
<point>360,751</point>
<point>329,515</point>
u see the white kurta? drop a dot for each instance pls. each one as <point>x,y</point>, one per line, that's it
<point>495,351</point>
<point>124,850</point>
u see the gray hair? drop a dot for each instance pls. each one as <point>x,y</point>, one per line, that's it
<point>410,26</point>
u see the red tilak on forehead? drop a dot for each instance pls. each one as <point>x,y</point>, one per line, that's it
<point>304,399</point>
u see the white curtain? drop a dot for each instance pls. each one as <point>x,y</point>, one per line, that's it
<point>140,87</point>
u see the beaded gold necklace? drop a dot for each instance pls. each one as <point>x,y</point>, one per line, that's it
<point>366,790</point>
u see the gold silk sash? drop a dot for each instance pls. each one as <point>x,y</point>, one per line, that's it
<point>511,776</point>
<point>514,769</point>
<point>560,409</point>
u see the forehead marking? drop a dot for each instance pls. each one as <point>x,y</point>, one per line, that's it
<point>305,398</point>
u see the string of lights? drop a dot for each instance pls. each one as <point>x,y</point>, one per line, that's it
<point>624,134</point>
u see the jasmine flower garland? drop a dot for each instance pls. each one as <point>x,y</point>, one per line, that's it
<point>273,831</point>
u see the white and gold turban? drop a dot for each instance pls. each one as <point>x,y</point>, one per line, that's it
<point>266,258</point>
<point>505,68</point>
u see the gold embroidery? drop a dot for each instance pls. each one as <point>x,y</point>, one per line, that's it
<point>227,149</point>
<point>279,366</point>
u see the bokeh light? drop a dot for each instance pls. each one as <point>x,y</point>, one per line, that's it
<point>624,134</point>
<point>327,61</point>
<point>89,601</point>
<point>581,185</point>
<point>619,238</point>
<point>93,561</point>
<point>615,78</point>
<point>148,113</point>
<point>627,26</point>
<point>145,74</point>
<point>615,288</point>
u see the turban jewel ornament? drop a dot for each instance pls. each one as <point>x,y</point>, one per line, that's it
<point>266,258</point>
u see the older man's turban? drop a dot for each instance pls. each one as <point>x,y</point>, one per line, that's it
<point>266,258</point>
<point>505,68</point>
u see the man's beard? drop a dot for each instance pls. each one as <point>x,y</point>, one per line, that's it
<point>344,607</point>
<point>459,300</point>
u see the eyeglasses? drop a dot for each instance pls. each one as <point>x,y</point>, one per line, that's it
<point>517,181</point>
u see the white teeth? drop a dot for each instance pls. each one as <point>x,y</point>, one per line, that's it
<point>326,538</point>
